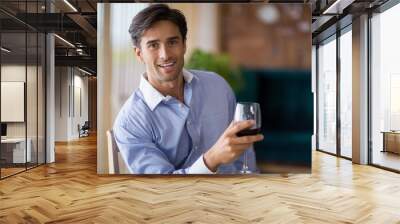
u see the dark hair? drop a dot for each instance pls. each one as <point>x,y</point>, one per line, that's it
<point>152,14</point>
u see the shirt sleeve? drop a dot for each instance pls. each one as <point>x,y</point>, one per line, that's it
<point>199,167</point>
<point>142,155</point>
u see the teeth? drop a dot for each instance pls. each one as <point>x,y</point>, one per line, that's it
<point>167,65</point>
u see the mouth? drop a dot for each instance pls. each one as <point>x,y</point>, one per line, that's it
<point>167,65</point>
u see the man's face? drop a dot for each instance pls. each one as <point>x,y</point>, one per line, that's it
<point>162,49</point>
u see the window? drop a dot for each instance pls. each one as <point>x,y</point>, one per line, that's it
<point>385,88</point>
<point>327,96</point>
<point>346,93</point>
<point>22,78</point>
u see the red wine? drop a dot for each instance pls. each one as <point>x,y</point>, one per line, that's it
<point>247,132</point>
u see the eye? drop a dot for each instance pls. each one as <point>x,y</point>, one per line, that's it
<point>153,45</point>
<point>172,42</point>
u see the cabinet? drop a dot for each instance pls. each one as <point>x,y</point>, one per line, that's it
<point>391,141</point>
<point>13,150</point>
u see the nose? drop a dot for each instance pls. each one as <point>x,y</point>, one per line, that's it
<point>164,53</point>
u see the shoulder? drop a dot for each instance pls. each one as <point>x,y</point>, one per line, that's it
<point>211,79</point>
<point>133,112</point>
<point>213,86</point>
<point>207,75</point>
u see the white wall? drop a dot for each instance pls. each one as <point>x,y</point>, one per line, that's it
<point>61,104</point>
<point>68,82</point>
<point>79,117</point>
<point>13,73</point>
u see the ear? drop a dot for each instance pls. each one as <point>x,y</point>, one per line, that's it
<point>138,53</point>
<point>184,46</point>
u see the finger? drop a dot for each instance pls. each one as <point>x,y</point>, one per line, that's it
<point>232,124</point>
<point>239,126</point>
<point>239,148</point>
<point>226,132</point>
<point>248,139</point>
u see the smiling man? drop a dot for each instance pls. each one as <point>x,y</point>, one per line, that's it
<point>178,121</point>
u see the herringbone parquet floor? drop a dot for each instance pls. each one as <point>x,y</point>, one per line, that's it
<point>70,191</point>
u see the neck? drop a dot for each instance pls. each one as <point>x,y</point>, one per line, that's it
<point>172,88</point>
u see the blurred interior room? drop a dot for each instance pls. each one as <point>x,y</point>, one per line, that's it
<point>331,112</point>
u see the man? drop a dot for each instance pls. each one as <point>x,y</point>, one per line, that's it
<point>178,121</point>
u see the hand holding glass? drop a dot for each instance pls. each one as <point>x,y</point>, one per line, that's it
<point>248,111</point>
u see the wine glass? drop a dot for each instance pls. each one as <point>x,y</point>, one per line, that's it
<point>248,111</point>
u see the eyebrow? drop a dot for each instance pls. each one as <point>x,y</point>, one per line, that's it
<point>152,41</point>
<point>173,38</point>
<point>157,40</point>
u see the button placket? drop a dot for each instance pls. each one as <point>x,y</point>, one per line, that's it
<point>193,133</point>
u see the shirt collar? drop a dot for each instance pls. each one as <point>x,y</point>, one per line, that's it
<point>152,96</point>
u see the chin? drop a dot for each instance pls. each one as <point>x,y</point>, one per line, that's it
<point>168,77</point>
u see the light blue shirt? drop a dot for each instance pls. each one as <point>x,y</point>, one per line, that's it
<point>158,134</point>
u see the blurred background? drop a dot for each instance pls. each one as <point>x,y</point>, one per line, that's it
<point>262,50</point>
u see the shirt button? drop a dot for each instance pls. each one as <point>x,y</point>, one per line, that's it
<point>196,147</point>
<point>188,122</point>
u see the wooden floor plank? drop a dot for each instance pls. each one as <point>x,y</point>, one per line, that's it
<point>70,191</point>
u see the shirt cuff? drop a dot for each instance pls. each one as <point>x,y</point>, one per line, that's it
<point>199,167</point>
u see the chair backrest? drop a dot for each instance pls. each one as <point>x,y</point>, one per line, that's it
<point>112,150</point>
<point>116,165</point>
<point>86,125</point>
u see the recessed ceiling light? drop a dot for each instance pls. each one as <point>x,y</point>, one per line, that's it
<point>84,71</point>
<point>337,7</point>
<point>5,50</point>
<point>70,5</point>
<point>64,40</point>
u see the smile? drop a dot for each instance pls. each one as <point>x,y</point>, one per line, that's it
<point>167,65</point>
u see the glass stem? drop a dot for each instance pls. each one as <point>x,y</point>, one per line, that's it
<point>245,167</point>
